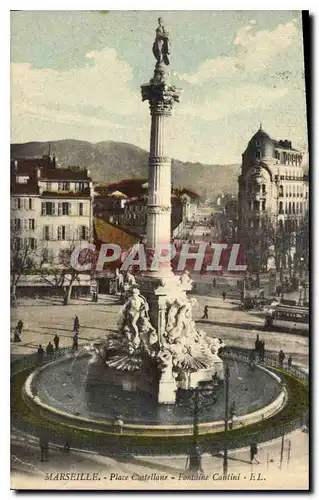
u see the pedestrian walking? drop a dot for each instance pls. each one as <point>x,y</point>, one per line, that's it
<point>40,354</point>
<point>281,357</point>
<point>76,325</point>
<point>50,350</point>
<point>56,341</point>
<point>205,316</point>
<point>44,448</point>
<point>75,345</point>
<point>290,361</point>
<point>253,453</point>
<point>224,295</point>
<point>214,282</point>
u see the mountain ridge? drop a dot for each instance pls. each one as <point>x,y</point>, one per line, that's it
<point>112,161</point>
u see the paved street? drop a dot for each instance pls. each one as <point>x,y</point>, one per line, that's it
<point>287,469</point>
<point>43,318</point>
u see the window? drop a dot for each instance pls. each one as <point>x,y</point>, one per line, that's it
<point>47,255</point>
<point>25,224</point>
<point>83,233</point>
<point>17,243</point>
<point>263,205</point>
<point>81,209</point>
<point>258,154</point>
<point>256,205</point>
<point>61,233</point>
<point>281,211</point>
<point>64,256</point>
<point>16,203</point>
<point>32,242</point>
<point>17,224</point>
<point>31,224</point>
<point>48,208</point>
<point>63,186</point>
<point>66,208</point>
<point>25,203</point>
<point>48,186</point>
<point>22,180</point>
<point>46,233</point>
<point>30,204</point>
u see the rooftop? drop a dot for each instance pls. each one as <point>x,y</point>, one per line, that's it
<point>64,174</point>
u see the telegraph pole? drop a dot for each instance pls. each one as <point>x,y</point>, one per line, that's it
<point>226,378</point>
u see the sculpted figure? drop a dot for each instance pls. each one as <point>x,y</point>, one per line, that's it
<point>147,334</point>
<point>186,280</point>
<point>133,309</point>
<point>161,46</point>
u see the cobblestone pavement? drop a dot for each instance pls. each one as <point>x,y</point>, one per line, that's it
<point>43,318</point>
<point>281,465</point>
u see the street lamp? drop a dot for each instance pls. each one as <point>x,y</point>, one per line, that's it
<point>206,389</point>
<point>226,382</point>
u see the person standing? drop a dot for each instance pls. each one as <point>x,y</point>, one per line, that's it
<point>50,350</point>
<point>76,325</point>
<point>290,361</point>
<point>56,341</point>
<point>44,448</point>
<point>75,345</point>
<point>16,336</point>
<point>253,453</point>
<point>281,357</point>
<point>224,295</point>
<point>20,326</point>
<point>40,354</point>
<point>205,316</point>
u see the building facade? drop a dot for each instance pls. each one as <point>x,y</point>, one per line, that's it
<point>272,182</point>
<point>51,209</point>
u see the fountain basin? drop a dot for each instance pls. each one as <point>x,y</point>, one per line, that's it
<point>63,395</point>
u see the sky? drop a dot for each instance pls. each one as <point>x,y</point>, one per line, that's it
<point>77,75</point>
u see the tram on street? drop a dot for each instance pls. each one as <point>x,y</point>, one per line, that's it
<point>284,317</point>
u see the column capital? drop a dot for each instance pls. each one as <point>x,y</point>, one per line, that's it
<point>161,98</point>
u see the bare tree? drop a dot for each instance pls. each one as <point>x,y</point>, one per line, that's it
<point>22,258</point>
<point>257,238</point>
<point>63,274</point>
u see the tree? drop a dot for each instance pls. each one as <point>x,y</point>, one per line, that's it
<point>257,237</point>
<point>302,244</point>
<point>22,258</point>
<point>284,245</point>
<point>63,274</point>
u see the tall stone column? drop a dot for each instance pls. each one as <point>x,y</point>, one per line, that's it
<point>161,97</point>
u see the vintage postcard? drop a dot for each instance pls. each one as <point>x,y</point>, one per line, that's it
<point>159,250</point>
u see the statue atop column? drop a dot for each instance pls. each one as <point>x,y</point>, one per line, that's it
<point>161,46</point>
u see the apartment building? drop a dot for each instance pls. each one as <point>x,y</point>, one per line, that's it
<point>51,209</point>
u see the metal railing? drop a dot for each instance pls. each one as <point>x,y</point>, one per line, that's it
<point>267,360</point>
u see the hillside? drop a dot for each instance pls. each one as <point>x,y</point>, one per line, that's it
<point>111,161</point>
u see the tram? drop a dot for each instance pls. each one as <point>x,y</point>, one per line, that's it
<point>293,318</point>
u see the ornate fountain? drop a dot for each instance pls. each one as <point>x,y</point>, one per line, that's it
<point>157,347</point>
